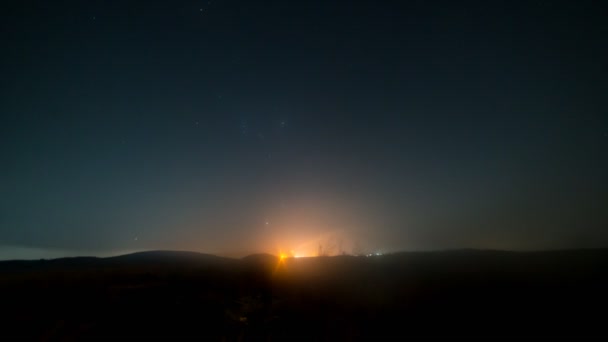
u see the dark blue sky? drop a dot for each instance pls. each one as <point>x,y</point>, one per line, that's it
<point>239,126</point>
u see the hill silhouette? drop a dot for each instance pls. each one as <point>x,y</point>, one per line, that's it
<point>168,257</point>
<point>169,294</point>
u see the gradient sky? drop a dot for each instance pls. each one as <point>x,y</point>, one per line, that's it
<point>242,126</point>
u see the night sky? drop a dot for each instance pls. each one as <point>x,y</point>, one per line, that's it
<point>241,126</point>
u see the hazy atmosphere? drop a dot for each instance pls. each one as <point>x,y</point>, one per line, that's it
<point>233,127</point>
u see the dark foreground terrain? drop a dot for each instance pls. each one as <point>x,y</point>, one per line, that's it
<point>191,295</point>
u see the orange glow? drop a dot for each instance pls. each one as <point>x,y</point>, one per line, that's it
<point>281,263</point>
<point>289,243</point>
